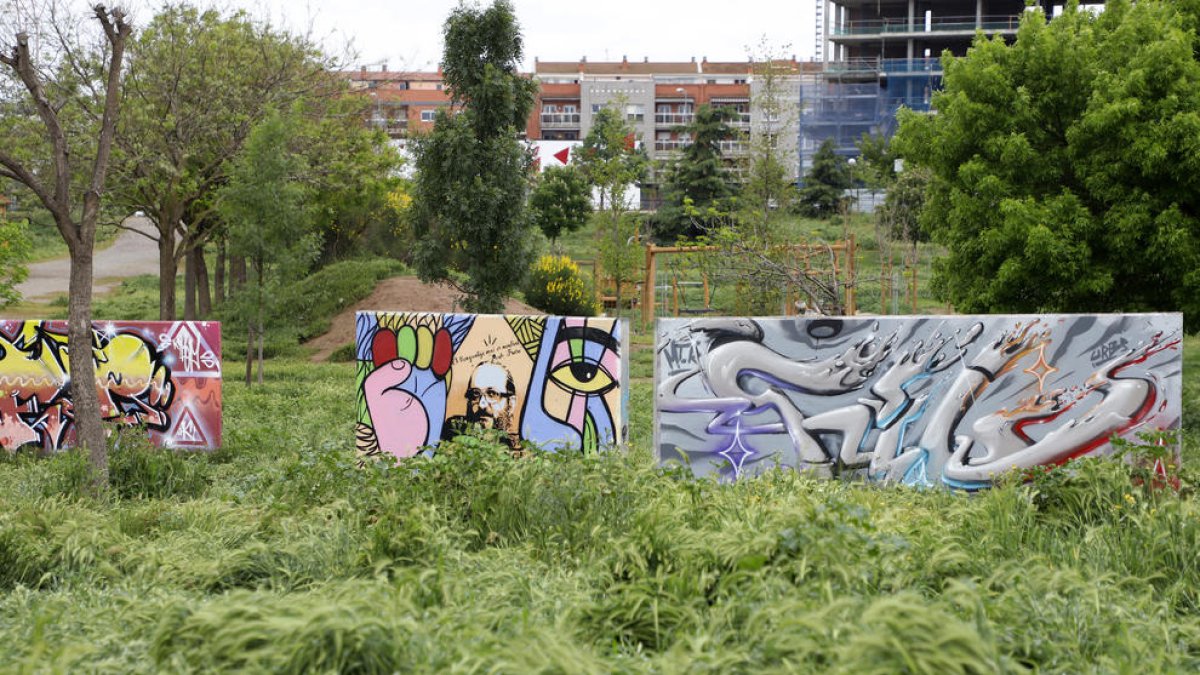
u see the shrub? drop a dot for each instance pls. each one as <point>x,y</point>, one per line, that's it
<point>555,286</point>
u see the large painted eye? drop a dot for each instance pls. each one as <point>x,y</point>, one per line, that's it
<point>583,377</point>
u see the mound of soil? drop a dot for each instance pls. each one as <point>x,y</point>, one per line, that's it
<point>398,294</point>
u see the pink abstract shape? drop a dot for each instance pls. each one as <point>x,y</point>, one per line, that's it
<point>400,421</point>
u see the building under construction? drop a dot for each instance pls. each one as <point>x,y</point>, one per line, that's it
<point>880,55</point>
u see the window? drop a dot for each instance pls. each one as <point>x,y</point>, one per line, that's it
<point>428,115</point>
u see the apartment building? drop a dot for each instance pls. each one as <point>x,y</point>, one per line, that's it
<point>658,97</point>
<point>400,101</point>
<point>880,55</point>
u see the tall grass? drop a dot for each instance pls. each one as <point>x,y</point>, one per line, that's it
<point>279,554</point>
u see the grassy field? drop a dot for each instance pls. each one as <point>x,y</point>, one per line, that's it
<point>277,554</point>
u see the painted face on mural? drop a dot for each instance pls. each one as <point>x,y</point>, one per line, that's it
<point>491,398</point>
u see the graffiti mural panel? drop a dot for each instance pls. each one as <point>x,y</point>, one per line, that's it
<point>165,376</point>
<point>423,378</point>
<point>921,400</point>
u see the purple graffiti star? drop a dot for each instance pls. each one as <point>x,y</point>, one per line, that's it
<point>737,452</point>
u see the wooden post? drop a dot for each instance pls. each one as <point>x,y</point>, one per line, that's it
<point>851,288</point>
<point>648,287</point>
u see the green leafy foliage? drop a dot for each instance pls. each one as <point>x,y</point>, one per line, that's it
<point>611,159</point>
<point>561,201</point>
<point>15,247</point>
<point>267,207</point>
<point>1064,170</point>
<point>900,214</point>
<point>469,194</point>
<point>825,183</point>
<point>697,180</point>
<point>612,163</point>
<point>556,286</point>
<point>200,80</point>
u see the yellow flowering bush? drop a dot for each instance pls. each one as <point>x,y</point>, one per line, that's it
<point>555,286</point>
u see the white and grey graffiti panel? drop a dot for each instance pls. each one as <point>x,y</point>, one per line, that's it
<point>924,400</point>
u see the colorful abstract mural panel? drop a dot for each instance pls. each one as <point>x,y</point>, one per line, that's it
<point>553,381</point>
<point>953,400</point>
<point>164,376</point>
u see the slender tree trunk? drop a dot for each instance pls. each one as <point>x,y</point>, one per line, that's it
<point>249,351</point>
<point>189,286</point>
<point>204,299</point>
<point>85,405</point>
<point>219,273</point>
<point>237,273</point>
<point>167,268</point>
<point>261,331</point>
<point>261,328</point>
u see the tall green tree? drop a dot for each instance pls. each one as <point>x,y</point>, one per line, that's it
<point>471,181</point>
<point>56,140</point>
<point>1066,170</point>
<point>613,163</point>
<point>876,166</point>
<point>825,184</point>
<point>199,81</point>
<point>266,206</point>
<point>768,187</point>
<point>698,183</point>
<point>561,201</point>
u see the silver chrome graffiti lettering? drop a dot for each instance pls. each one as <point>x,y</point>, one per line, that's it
<point>918,400</point>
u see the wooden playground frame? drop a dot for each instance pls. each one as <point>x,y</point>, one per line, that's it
<point>842,255</point>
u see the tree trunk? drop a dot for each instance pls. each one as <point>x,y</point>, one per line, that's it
<point>167,268</point>
<point>249,351</point>
<point>261,329</point>
<point>189,286</point>
<point>260,346</point>
<point>85,404</point>
<point>219,274</point>
<point>204,299</point>
<point>237,273</point>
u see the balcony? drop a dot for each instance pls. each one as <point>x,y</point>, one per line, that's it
<point>733,147</point>
<point>673,119</point>
<point>901,27</point>
<point>670,145</point>
<point>392,127</point>
<point>560,120</point>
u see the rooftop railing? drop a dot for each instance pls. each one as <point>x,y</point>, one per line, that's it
<point>936,24</point>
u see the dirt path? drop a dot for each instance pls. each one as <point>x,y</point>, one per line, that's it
<point>398,294</point>
<point>131,255</point>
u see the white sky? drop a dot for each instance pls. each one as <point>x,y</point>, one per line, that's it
<point>408,33</point>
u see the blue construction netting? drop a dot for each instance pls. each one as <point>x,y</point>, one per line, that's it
<point>853,98</point>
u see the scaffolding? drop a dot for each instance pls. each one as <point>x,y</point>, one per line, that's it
<point>862,96</point>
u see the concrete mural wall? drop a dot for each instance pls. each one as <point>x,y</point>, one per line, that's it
<point>559,382</point>
<point>922,400</point>
<point>165,376</point>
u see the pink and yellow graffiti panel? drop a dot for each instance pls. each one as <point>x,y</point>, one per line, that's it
<point>557,382</point>
<point>161,375</point>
